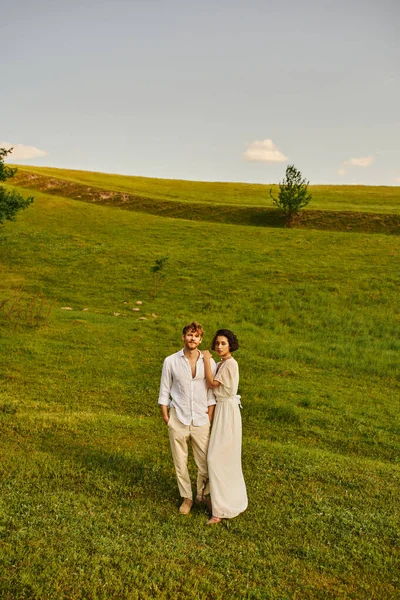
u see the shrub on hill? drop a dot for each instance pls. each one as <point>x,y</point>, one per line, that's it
<point>10,202</point>
<point>293,194</point>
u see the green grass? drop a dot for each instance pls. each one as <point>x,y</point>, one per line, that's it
<point>89,500</point>
<point>260,216</point>
<point>375,199</point>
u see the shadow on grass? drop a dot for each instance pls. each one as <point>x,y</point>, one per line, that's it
<point>125,473</point>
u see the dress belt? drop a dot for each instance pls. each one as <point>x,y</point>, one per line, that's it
<point>231,399</point>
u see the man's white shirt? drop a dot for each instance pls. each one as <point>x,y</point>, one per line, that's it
<point>187,394</point>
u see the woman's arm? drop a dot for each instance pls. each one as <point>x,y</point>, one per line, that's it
<point>211,382</point>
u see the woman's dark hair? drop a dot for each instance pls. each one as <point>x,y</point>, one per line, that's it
<point>230,336</point>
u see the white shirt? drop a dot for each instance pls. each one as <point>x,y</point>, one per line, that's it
<point>187,394</point>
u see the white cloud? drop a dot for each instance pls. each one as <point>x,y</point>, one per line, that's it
<point>397,179</point>
<point>264,151</point>
<point>362,161</point>
<point>22,152</point>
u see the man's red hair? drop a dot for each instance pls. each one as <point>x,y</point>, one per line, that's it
<point>195,327</point>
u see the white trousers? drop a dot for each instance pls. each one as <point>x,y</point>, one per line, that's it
<point>179,435</point>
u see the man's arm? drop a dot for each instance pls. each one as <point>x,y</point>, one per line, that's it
<point>164,413</point>
<point>165,388</point>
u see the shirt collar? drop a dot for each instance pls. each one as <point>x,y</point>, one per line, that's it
<point>181,353</point>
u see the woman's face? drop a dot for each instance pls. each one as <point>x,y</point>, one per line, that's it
<point>222,346</point>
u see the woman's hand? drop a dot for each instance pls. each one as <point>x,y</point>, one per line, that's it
<point>206,354</point>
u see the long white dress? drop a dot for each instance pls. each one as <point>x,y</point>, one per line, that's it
<point>227,486</point>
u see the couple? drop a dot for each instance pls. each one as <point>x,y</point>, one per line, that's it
<point>192,386</point>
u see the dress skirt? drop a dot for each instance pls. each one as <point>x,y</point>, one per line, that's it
<point>227,486</point>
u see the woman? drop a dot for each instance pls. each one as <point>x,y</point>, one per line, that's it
<point>227,487</point>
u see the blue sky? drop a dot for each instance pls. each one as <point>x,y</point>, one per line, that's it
<point>222,90</point>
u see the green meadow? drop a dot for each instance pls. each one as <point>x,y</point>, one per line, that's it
<point>371,199</point>
<point>89,502</point>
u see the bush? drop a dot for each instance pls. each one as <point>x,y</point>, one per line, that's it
<point>293,194</point>
<point>10,202</point>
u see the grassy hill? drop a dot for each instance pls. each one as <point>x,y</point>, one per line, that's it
<point>88,494</point>
<point>223,202</point>
<point>378,199</point>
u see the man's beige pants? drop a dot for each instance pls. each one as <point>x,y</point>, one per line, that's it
<point>179,434</point>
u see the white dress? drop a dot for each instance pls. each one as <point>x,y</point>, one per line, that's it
<point>227,486</point>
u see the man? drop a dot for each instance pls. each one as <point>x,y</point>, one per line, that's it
<point>183,390</point>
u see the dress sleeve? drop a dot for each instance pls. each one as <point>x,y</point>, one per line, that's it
<point>228,376</point>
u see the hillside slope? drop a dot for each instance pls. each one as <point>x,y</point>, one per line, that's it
<point>89,501</point>
<point>345,220</point>
<point>380,199</point>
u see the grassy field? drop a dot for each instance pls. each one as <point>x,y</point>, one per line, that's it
<point>238,214</point>
<point>88,494</point>
<point>375,199</point>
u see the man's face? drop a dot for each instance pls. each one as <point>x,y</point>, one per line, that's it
<point>191,339</point>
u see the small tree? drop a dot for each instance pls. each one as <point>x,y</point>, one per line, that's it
<point>293,194</point>
<point>10,202</point>
<point>156,269</point>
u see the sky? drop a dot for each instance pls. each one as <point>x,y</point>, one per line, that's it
<point>207,90</point>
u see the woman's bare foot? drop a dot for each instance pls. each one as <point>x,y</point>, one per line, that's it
<point>213,521</point>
